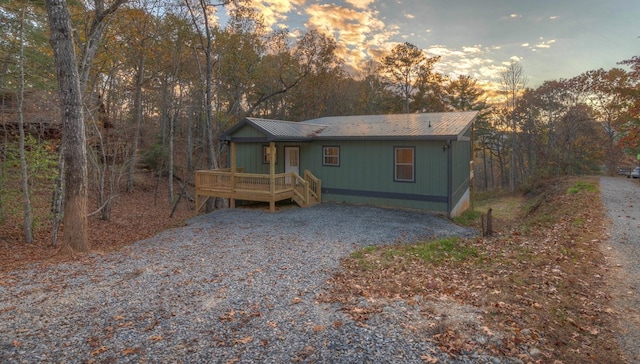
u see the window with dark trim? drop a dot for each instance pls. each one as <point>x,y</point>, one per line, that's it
<point>331,156</point>
<point>265,154</point>
<point>404,164</point>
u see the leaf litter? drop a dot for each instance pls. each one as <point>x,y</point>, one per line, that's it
<point>536,290</point>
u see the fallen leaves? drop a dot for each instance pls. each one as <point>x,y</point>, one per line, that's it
<point>538,283</point>
<point>303,354</point>
<point>128,224</point>
<point>131,351</point>
<point>99,351</point>
<point>244,340</point>
<point>229,316</point>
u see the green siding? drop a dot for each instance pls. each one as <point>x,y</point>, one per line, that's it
<point>365,174</point>
<point>461,154</point>
<point>249,132</point>
<point>461,170</point>
<point>366,168</point>
<point>249,156</point>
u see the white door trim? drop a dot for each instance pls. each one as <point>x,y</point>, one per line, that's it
<point>292,160</point>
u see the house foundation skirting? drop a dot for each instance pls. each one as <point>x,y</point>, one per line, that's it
<point>380,194</point>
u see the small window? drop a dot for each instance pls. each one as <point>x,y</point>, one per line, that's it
<point>330,156</point>
<point>404,164</point>
<point>265,154</point>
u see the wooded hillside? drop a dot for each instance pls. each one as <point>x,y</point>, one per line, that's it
<point>160,82</point>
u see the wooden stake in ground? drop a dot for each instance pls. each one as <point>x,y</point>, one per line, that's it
<point>487,223</point>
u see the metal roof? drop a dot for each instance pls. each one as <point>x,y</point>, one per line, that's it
<point>278,130</point>
<point>445,125</point>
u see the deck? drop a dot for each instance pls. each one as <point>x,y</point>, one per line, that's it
<point>236,185</point>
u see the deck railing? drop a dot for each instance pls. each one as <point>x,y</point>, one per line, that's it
<point>315,185</point>
<point>257,187</point>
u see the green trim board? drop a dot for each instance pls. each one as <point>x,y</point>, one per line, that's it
<point>381,194</point>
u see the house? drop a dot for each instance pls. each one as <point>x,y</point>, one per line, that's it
<point>416,161</point>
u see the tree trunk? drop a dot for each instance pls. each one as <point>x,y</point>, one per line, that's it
<point>484,164</point>
<point>96,30</point>
<point>190,147</point>
<point>3,159</point>
<point>137,115</point>
<point>513,169</point>
<point>73,128</point>
<point>493,179</point>
<point>57,200</point>
<point>172,120</point>
<point>28,233</point>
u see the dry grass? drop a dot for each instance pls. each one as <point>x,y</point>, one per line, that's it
<point>539,282</point>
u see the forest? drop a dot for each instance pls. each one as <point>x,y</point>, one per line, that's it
<point>93,92</point>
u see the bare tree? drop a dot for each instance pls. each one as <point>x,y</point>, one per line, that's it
<point>28,235</point>
<point>513,83</point>
<point>200,15</point>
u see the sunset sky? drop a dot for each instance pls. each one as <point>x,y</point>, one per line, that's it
<point>552,39</point>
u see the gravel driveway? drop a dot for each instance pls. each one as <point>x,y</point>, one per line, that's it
<point>232,286</point>
<point>621,197</point>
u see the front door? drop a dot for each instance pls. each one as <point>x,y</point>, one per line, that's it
<point>291,160</point>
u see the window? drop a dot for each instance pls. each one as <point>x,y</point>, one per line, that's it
<point>330,156</point>
<point>265,155</point>
<point>404,164</point>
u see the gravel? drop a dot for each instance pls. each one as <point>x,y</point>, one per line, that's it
<point>235,285</point>
<point>620,198</point>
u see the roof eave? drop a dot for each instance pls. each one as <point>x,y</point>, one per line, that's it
<point>267,140</point>
<point>233,129</point>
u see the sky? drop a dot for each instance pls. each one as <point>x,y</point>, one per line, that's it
<point>552,39</point>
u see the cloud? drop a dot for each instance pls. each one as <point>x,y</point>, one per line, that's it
<point>442,51</point>
<point>474,49</point>
<point>357,31</point>
<point>554,17</point>
<point>542,44</point>
<point>275,11</point>
<point>409,16</point>
<point>360,4</point>
<point>512,16</point>
<point>545,44</point>
<point>474,61</point>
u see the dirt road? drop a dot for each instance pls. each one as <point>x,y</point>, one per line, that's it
<point>621,198</point>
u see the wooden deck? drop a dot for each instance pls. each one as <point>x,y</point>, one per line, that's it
<point>236,185</point>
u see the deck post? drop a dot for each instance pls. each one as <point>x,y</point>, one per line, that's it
<point>272,175</point>
<point>232,201</point>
